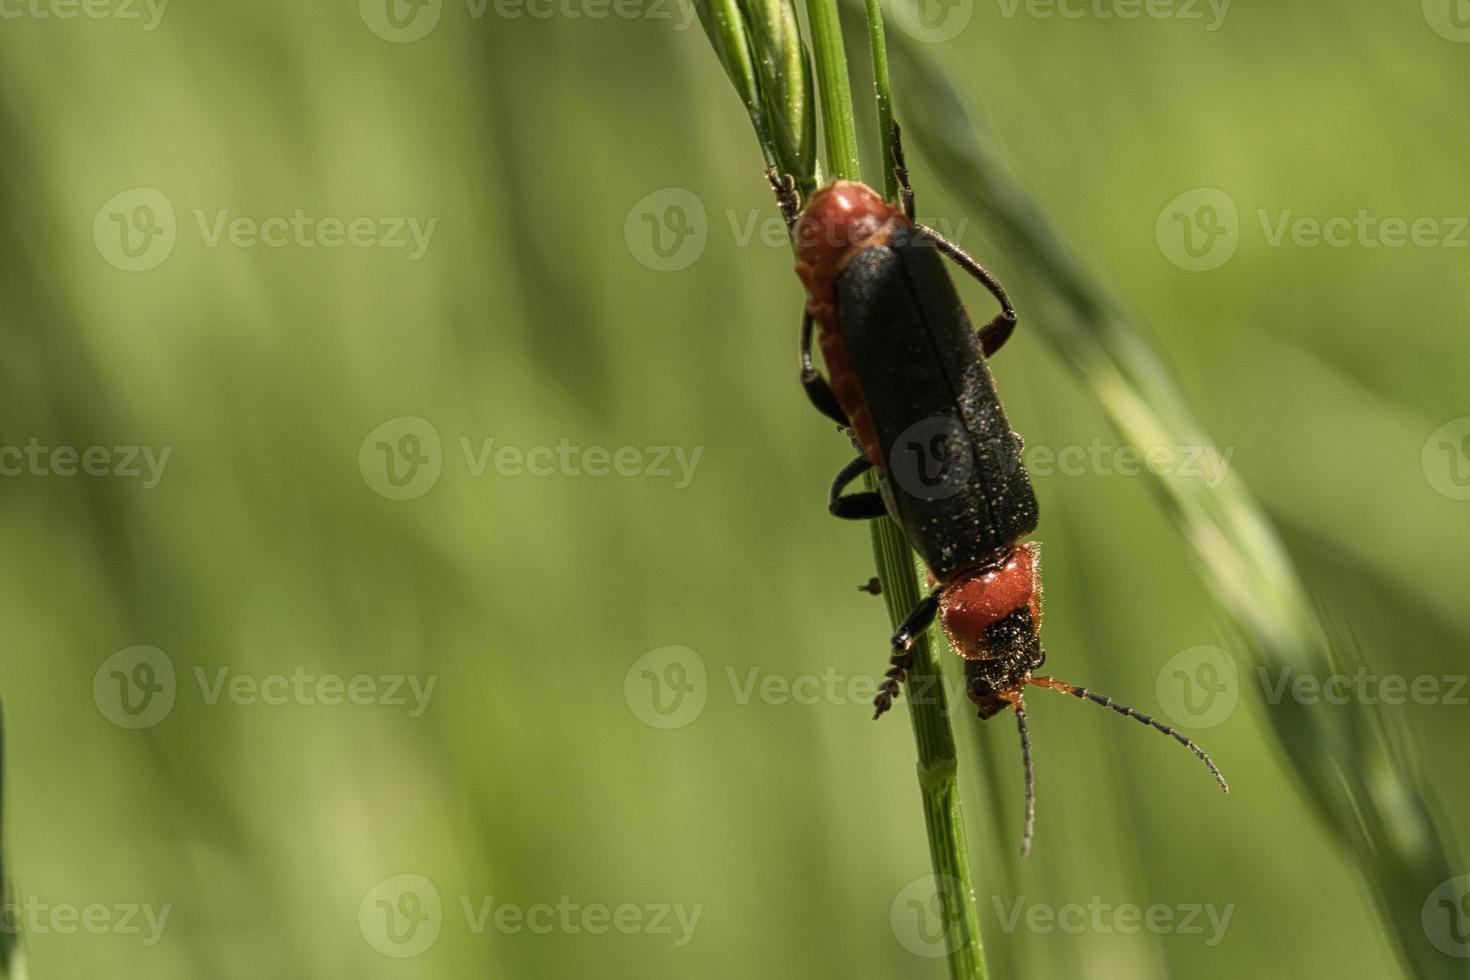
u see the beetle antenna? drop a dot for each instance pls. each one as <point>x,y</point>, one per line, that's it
<point>1030,824</point>
<point>1083,693</point>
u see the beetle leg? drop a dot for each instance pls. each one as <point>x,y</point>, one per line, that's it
<point>788,198</point>
<point>901,171</point>
<point>862,506</point>
<point>997,331</point>
<point>914,626</point>
<point>817,389</point>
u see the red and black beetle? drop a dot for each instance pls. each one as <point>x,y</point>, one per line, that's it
<point>909,380</point>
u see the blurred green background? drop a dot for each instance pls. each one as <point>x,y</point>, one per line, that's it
<point>296,387</point>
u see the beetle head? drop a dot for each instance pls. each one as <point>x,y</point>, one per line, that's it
<point>993,620</point>
<point>841,218</point>
<point>995,681</point>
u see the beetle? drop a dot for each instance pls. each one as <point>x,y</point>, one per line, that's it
<point>908,378</point>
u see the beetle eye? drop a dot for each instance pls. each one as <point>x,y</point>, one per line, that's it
<point>1040,659</point>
